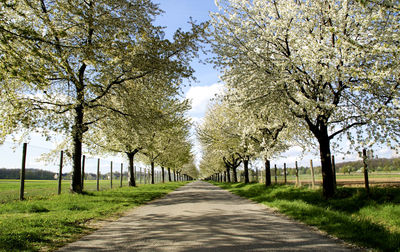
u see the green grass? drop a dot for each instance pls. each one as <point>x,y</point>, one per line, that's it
<point>371,222</point>
<point>38,189</point>
<point>49,222</point>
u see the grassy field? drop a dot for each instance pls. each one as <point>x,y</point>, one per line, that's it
<point>46,221</point>
<point>367,221</point>
<point>37,189</point>
<point>344,179</point>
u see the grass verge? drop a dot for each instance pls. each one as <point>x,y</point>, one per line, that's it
<point>368,221</point>
<point>49,223</point>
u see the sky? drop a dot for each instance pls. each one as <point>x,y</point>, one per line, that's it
<point>177,14</point>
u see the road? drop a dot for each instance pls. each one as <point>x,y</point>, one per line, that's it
<point>203,217</point>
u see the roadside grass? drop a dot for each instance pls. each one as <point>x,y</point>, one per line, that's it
<point>368,221</point>
<point>48,223</point>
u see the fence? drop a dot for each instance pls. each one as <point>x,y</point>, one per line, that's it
<point>42,172</point>
<point>363,174</point>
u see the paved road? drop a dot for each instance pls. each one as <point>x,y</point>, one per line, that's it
<point>203,217</point>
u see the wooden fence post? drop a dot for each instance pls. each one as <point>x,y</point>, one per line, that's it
<point>83,170</point>
<point>122,167</point>
<point>334,171</point>
<point>297,175</point>
<point>98,175</point>
<point>312,174</point>
<point>364,155</point>
<point>60,172</point>
<point>111,174</point>
<point>276,175</point>
<point>284,172</point>
<point>135,175</point>
<point>22,174</point>
<point>149,176</point>
<point>257,181</point>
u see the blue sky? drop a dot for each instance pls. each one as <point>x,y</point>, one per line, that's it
<point>177,14</point>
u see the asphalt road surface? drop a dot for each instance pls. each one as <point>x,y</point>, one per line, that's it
<point>203,217</point>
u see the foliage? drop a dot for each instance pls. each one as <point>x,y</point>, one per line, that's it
<point>333,65</point>
<point>77,57</point>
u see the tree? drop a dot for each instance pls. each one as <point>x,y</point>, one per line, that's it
<point>76,53</point>
<point>163,138</point>
<point>332,63</point>
<point>224,130</point>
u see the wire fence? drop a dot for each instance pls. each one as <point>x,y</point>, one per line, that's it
<point>380,172</point>
<point>42,167</point>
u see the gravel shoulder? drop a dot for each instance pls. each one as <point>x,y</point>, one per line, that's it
<point>203,217</point>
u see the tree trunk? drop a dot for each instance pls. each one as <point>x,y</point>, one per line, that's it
<point>174,175</point>
<point>246,170</point>
<point>366,182</point>
<point>77,136</point>
<point>267,173</point>
<point>234,175</point>
<point>131,175</point>
<point>328,187</point>
<point>152,172</point>
<point>285,173</point>
<point>228,174</point>
<point>162,174</point>
<point>169,175</point>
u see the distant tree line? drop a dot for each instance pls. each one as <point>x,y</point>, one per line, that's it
<point>379,164</point>
<point>30,174</point>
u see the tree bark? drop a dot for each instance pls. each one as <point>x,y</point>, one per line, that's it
<point>228,174</point>
<point>131,175</point>
<point>169,175</point>
<point>174,175</point>
<point>267,173</point>
<point>234,175</point>
<point>162,174</point>
<point>152,172</point>
<point>77,136</point>
<point>328,187</point>
<point>246,170</point>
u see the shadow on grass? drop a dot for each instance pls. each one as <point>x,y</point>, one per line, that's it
<point>338,216</point>
<point>31,225</point>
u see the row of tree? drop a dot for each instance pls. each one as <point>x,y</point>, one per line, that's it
<point>100,73</point>
<point>301,73</point>
<point>36,174</point>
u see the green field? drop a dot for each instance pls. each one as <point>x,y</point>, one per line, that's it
<point>368,221</point>
<point>373,177</point>
<point>36,189</point>
<point>46,221</point>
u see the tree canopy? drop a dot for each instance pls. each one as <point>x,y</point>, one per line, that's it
<point>333,65</point>
<point>77,56</point>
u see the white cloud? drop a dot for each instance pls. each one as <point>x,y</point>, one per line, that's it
<point>201,96</point>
